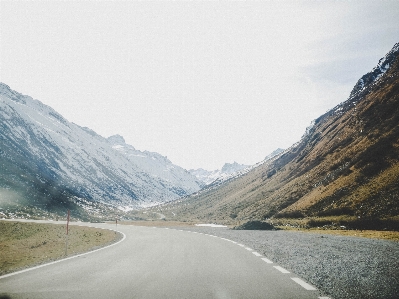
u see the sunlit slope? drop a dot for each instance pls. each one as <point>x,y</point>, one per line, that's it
<point>346,164</point>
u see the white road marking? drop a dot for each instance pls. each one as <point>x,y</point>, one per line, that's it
<point>282,270</point>
<point>305,285</point>
<point>324,297</point>
<point>267,260</point>
<point>211,225</point>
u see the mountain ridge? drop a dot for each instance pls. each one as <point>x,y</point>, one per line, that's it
<point>345,165</point>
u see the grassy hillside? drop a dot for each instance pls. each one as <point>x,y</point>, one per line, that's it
<point>345,169</point>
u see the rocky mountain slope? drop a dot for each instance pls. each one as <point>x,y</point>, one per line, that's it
<point>345,168</point>
<point>49,163</point>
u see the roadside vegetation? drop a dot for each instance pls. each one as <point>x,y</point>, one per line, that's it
<point>25,245</point>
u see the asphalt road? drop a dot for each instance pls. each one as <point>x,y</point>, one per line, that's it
<point>160,263</point>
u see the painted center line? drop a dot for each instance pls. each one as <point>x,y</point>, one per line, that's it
<point>304,284</point>
<point>247,248</point>
<point>267,260</point>
<point>282,270</point>
<point>256,253</point>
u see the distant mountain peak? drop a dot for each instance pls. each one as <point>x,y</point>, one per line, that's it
<point>207,177</point>
<point>116,140</point>
<point>232,167</point>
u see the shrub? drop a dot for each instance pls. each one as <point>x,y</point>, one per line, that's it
<point>290,214</point>
<point>255,225</point>
<point>336,212</point>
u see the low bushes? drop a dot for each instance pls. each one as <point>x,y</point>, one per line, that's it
<point>255,225</point>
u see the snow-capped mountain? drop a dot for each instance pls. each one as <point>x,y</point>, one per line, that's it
<point>42,153</point>
<point>208,177</point>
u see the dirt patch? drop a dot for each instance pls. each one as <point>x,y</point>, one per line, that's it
<point>383,235</point>
<point>25,245</point>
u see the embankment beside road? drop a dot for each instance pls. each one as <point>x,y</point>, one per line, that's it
<point>27,244</point>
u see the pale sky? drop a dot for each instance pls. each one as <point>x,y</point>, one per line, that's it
<point>202,83</point>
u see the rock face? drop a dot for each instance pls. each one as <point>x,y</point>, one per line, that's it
<point>46,160</point>
<point>346,164</point>
<point>383,65</point>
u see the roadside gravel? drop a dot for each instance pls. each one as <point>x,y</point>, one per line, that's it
<point>340,266</point>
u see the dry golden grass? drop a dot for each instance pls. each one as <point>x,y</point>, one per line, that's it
<point>24,245</point>
<point>383,235</point>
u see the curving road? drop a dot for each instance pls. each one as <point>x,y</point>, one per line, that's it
<point>160,263</point>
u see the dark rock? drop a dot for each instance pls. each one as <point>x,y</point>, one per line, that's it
<point>255,225</point>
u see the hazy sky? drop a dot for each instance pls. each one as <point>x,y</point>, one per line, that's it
<point>203,83</point>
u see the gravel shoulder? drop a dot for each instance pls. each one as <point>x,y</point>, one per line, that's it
<point>340,266</point>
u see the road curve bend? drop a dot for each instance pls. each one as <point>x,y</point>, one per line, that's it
<point>160,263</point>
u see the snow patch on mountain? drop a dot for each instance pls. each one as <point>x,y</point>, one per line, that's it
<point>376,73</point>
<point>273,154</point>
<point>208,177</point>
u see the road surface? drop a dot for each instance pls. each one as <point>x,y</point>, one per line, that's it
<point>160,263</point>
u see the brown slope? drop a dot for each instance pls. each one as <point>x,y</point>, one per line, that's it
<point>348,163</point>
